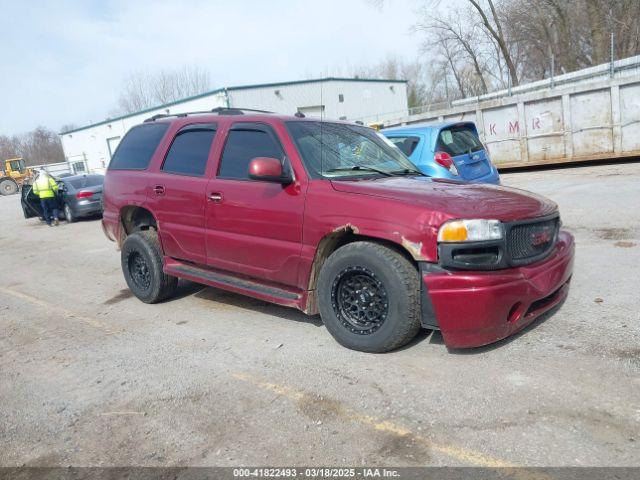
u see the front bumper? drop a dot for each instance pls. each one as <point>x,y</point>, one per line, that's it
<point>475,308</point>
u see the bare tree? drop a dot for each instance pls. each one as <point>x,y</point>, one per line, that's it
<point>36,147</point>
<point>451,30</point>
<point>495,30</point>
<point>144,89</point>
<point>485,44</point>
<point>394,68</point>
<point>67,127</point>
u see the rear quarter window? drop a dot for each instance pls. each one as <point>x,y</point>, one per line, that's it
<point>407,145</point>
<point>138,146</point>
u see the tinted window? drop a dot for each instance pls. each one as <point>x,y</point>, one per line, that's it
<point>243,146</point>
<point>458,141</point>
<point>407,145</point>
<point>189,152</point>
<point>137,147</point>
<point>85,181</point>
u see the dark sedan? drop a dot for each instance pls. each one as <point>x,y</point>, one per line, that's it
<point>78,196</point>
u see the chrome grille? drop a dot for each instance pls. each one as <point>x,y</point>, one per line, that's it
<point>531,241</point>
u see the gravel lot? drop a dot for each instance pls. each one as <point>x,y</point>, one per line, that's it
<point>91,376</point>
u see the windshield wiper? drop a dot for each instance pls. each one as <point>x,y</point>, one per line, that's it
<point>361,167</point>
<point>408,171</point>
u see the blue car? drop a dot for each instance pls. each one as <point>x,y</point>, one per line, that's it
<point>446,150</point>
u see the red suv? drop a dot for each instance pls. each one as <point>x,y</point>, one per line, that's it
<point>330,218</point>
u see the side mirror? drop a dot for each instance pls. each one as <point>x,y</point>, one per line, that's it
<point>269,170</point>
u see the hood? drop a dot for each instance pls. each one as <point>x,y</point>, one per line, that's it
<point>453,198</point>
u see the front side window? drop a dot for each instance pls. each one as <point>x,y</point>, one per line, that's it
<point>458,141</point>
<point>243,146</point>
<point>138,146</point>
<point>338,150</point>
<point>189,152</point>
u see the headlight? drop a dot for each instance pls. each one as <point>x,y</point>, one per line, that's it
<point>470,231</point>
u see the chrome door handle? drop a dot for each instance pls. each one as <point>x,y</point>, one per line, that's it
<point>215,197</point>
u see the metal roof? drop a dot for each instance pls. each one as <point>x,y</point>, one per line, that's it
<point>230,89</point>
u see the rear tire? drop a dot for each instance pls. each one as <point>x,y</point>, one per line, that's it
<point>68,214</point>
<point>369,297</point>
<point>141,260</point>
<point>8,187</point>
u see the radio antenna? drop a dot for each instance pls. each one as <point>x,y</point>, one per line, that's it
<point>321,125</point>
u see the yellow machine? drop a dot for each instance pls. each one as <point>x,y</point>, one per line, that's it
<point>13,173</point>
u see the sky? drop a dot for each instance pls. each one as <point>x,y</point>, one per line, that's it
<point>63,62</point>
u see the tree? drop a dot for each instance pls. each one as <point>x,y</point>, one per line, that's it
<point>483,45</point>
<point>494,27</point>
<point>394,68</point>
<point>452,40</point>
<point>67,127</point>
<point>143,89</point>
<point>37,147</point>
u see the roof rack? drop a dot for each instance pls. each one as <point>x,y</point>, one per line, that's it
<point>167,115</point>
<point>217,110</point>
<point>236,110</point>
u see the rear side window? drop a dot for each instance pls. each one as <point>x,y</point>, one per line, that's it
<point>458,141</point>
<point>189,152</point>
<point>407,145</point>
<point>243,146</point>
<point>137,147</point>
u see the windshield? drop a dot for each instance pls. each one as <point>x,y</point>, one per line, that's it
<point>339,150</point>
<point>18,166</point>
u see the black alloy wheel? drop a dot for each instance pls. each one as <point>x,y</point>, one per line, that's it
<point>359,300</point>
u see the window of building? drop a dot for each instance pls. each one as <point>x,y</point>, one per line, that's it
<point>189,151</point>
<point>340,97</point>
<point>243,146</point>
<point>138,146</point>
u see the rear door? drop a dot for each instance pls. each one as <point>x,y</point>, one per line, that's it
<point>254,227</point>
<point>461,142</point>
<point>176,192</point>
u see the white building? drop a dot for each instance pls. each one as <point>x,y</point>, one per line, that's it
<point>367,100</point>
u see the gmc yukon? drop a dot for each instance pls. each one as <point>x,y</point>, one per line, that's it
<point>330,218</point>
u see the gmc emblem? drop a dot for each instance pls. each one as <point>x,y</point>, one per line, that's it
<point>540,238</point>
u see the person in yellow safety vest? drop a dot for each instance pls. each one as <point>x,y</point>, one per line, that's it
<point>46,188</point>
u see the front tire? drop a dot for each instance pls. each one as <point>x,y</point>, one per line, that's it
<point>141,260</point>
<point>8,187</point>
<point>369,297</point>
